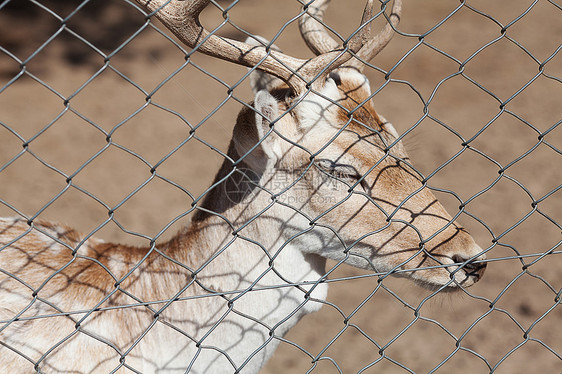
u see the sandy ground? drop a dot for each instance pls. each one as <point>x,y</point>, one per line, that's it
<point>519,334</point>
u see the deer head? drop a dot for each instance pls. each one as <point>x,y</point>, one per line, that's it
<point>314,157</point>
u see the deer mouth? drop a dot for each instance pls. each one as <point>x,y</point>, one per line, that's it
<point>472,270</point>
<point>459,275</point>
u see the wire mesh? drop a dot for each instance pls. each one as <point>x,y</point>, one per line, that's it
<point>111,124</point>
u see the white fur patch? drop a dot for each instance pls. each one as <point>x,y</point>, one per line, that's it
<point>317,109</point>
<point>355,77</point>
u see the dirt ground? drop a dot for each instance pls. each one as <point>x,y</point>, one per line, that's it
<point>509,323</point>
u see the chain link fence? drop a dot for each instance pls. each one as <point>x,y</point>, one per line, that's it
<point>111,125</point>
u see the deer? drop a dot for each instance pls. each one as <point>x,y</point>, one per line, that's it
<point>219,296</point>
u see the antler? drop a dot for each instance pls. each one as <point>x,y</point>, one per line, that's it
<point>182,19</point>
<point>319,41</point>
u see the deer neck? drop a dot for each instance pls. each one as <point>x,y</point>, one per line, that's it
<point>243,243</point>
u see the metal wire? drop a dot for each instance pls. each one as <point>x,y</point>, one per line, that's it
<point>525,266</point>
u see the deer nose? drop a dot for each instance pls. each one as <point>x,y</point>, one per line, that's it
<point>474,268</point>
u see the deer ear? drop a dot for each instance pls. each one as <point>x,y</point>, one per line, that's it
<point>254,127</point>
<point>266,113</point>
<point>258,79</point>
<point>262,81</point>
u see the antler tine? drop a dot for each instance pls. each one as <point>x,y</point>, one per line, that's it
<point>363,44</point>
<point>182,19</point>
<point>329,53</point>
<point>376,44</point>
<point>313,31</point>
<point>366,31</point>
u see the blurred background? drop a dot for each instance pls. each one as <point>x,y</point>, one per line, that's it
<point>478,72</point>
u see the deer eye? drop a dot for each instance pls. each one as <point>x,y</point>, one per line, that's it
<point>336,77</point>
<point>339,171</point>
